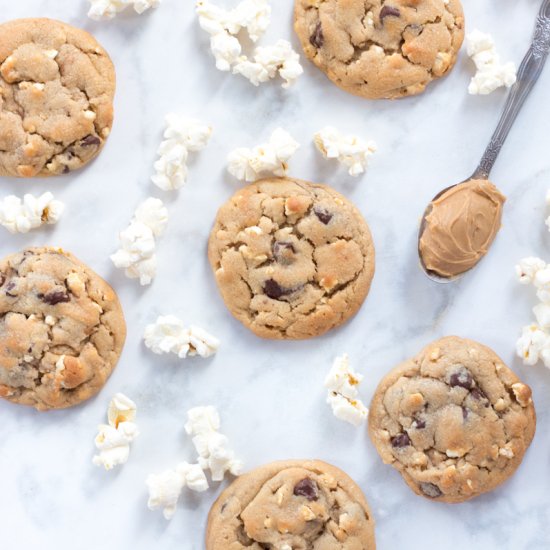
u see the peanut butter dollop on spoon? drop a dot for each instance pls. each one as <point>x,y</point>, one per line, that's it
<point>460,227</point>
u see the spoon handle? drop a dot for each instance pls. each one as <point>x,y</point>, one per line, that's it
<point>528,74</point>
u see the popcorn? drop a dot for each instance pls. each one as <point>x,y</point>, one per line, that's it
<point>165,488</point>
<point>113,440</point>
<point>534,343</point>
<point>182,135</point>
<point>491,73</point>
<point>20,216</point>
<point>268,62</point>
<point>169,335</point>
<point>214,453</point>
<point>342,382</point>
<point>269,158</point>
<point>108,9</point>
<point>352,151</point>
<point>137,242</point>
<point>254,16</point>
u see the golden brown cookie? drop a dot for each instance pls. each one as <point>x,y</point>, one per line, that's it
<point>292,259</point>
<point>61,329</point>
<point>57,86</point>
<point>379,48</point>
<point>291,505</point>
<point>455,421</point>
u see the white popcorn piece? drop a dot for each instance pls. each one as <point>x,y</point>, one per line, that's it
<point>165,488</point>
<point>113,440</point>
<point>182,135</point>
<point>268,62</point>
<point>254,16</point>
<point>213,447</point>
<point>342,382</point>
<point>121,409</point>
<point>351,151</point>
<point>491,73</point>
<point>528,268</point>
<point>137,242</point>
<point>108,9</point>
<point>534,345</point>
<point>269,158</point>
<point>169,335</point>
<point>20,216</point>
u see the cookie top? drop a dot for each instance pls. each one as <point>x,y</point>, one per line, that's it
<point>379,49</point>
<point>290,505</point>
<point>292,259</point>
<point>57,86</point>
<point>61,329</point>
<point>455,421</point>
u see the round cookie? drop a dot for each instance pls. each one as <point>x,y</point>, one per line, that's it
<point>57,86</point>
<point>292,259</point>
<point>379,49</point>
<point>61,329</point>
<point>455,421</point>
<point>290,505</point>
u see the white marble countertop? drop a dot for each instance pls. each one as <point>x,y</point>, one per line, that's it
<point>270,394</point>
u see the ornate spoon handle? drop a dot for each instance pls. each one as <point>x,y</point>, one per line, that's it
<point>528,74</point>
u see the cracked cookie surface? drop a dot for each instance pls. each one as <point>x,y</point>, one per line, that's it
<point>295,504</point>
<point>455,421</point>
<point>381,48</point>
<point>57,86</point>
<point>61,329</point>
<point>292,259</point>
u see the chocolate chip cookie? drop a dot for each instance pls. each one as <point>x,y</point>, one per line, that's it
<point>57,86</point>
<point>292,259</point>
<point>379,48</point>
<point>291,505</point>
<point>455,421</point>
<point>61,329</point>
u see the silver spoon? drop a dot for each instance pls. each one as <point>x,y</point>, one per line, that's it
<point>528,74</point>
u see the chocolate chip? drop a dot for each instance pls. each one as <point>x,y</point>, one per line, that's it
<point>66,169</point>
<point>274,290</point>
<point>462,378</point>
<point>90,140</point>
<point>400,441</point>
<point>317,39</point>
<point>55,297</point>
<point>307,488</point>
<point>2,279</point>
<point>430,490</point>
<point>478,394</point>
<point>324,215</point>
<point>464,413</point>
<point>388,11</point>
<point>10,286</point>
<point>283,251</point>
<point>419,424</point>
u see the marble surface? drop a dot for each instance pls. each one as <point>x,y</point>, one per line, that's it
<point>270,394</point>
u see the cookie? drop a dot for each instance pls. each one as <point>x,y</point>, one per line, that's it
<point>455,421</point>
<point>61,329</point>
<point>292,259</point>
<point>379,49</point>
<point>57,86</point>
<point>291,505</point>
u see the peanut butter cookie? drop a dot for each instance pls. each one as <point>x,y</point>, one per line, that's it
<point>455,421</point>
<point>380,48</point>
<point>61,329</point>
<point>292,505</point>
<point>57,86</point>
<point>292,259</point>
